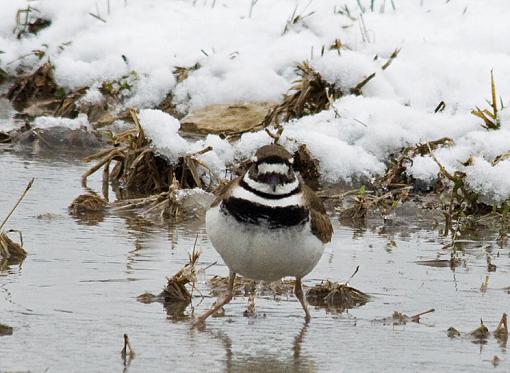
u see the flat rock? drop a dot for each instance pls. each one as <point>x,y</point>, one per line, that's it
<point>226,119</point>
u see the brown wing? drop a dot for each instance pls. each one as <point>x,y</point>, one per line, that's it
<point>321,225</point>
<point>223,190</point>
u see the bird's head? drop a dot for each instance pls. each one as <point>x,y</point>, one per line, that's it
<point>272,170</point>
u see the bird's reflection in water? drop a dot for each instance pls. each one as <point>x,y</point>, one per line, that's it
<point>267,362</point>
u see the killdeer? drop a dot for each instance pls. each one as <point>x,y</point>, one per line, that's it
<point>267,224</point>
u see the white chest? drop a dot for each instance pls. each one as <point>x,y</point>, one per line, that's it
<point>257,252</point>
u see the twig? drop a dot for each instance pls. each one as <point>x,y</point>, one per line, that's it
<point>392,57</point>
<point>97,17</point>
<point>357,89</point>
<point>17,203</point>
<point>416,317</point>
<point>353,274</point>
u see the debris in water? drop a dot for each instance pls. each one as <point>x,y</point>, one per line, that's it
<point>243,286</point>
<point>481,332</point>
<point>10,251</point>
<point>250,309</point>
<point>88,209</point>
<point>5,137</point>
<point>485,285</point>
<point>175,295</point>
<point>495,360</point>
<point>491,267</point>
<point>398,318</point>
<point>175,290</point>
<point>501,332</point>
<point>365,201</point>
<point>337,296</point>
<point>163,204</point>
<point>147,298</point>
<point>452,263</point>
<point>5,330</point>
<point>87,203</point>
<point>127,353</point>
<point>452,332</point>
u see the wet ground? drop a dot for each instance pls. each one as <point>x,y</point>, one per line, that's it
<point>75,294</point>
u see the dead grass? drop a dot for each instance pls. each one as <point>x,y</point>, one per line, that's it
<point>87,203</point>
<point>490,117</point>
<point>138,167</point>
<point>10,251</point>
<point>5,330</point>
<point>395,175</point>
<point>501,332</point>
<point>481,332</point>
<point>399,318</point>
<point>38,85</point>
<point>181,73</point>
<point>311,94</point>
<point>175,294</point>
<point>337,296</point>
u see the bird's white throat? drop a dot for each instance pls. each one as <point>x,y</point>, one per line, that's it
<point>292,200</point>
<point>280,189</point>
<point>276,168</point>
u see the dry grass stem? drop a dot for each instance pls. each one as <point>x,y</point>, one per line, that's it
<point>491,119</point>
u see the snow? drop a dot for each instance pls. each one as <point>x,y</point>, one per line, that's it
<point>447,54</point>
<point>487,179</point>
<point>91,97</point>
<point>73,124</point>
<point>162,129</point>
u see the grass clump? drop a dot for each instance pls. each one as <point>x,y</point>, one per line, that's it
<point>336,296</point>
<point>310,93</point>
<point>38,85</point>
<point>490,117</point>
<point>175,296</point>
<point>138,167</point>
<point>10,251</point>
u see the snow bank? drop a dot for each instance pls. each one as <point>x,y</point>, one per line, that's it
<point>250,53</point>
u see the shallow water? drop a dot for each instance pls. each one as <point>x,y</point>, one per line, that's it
<point>75,295</point>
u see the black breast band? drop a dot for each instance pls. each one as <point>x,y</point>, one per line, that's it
<point>254,213</point>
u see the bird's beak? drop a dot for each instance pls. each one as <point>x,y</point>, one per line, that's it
<point>273,181</point>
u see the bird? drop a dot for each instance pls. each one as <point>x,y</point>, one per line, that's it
<point>267,224</point>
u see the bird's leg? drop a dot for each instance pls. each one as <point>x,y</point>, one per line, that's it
<point>228,297</point>
<point>298,291</point>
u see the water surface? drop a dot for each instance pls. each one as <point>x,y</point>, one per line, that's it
<point>74,296</point>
